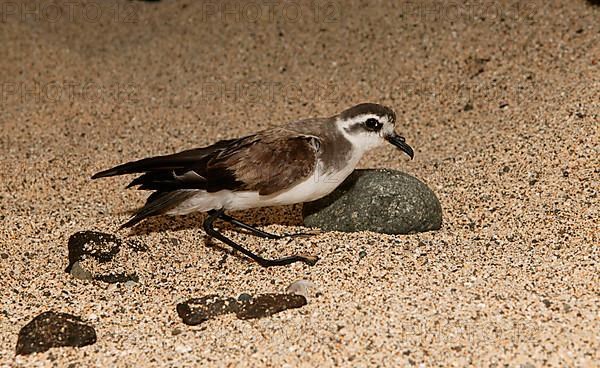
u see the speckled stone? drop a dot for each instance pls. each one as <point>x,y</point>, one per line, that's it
<point>198,310</point>
<point>52,329</point>
<point>383,201</point>
<point>100,249</point>
<point>95,244</point>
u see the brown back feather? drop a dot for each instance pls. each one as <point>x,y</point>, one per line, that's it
<point>276,160</point>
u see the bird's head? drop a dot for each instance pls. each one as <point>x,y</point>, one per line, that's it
<point>369,125</point>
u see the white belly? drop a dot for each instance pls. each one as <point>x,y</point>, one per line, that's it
<point>316,186</point>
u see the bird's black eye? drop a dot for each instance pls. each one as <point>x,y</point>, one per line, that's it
<point>373,124</point>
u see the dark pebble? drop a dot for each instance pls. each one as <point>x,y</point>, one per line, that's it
<point>174,242</point>
<point>198,310</point>
<point>52,329</point>
<point>244,297</point>
<point>114,278</point>
<point>101,246</point>
<point>265,305</point>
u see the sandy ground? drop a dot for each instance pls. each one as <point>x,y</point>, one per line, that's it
<point>500,102</point>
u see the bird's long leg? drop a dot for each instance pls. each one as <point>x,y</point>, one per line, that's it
<point>258,232</point>
<point>210,230</point>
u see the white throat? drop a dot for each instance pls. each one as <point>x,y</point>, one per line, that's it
<point>363,142</point>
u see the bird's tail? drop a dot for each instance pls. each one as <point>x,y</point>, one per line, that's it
<point>174,161</point>
<point>139,166</point>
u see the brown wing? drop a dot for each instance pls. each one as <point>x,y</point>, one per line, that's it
<point>267,162</point>
<point>277,159</point>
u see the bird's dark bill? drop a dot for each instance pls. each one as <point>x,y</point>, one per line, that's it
<point>400,142</point>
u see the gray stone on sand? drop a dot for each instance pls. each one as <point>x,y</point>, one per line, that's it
<point>78,272</point>
<point>300,287</point>
<point>383,201</point>
<point>244,297</point>
<point>130,284</point>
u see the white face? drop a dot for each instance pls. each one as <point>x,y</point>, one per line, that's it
<point>366,131</point>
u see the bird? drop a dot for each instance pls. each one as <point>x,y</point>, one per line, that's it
<point>297,162</point>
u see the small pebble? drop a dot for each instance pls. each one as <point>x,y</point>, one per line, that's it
<point>244,297</point>
<point>80,273</point>
<point>130,283</point>
<point>183,349</point>
<point>300,287</point>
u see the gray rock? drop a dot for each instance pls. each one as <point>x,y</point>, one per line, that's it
<point>79,272</point>
<point>130,284</point>
<point>300,287</point>
<point>244,297</point>
<point>384,201</point>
